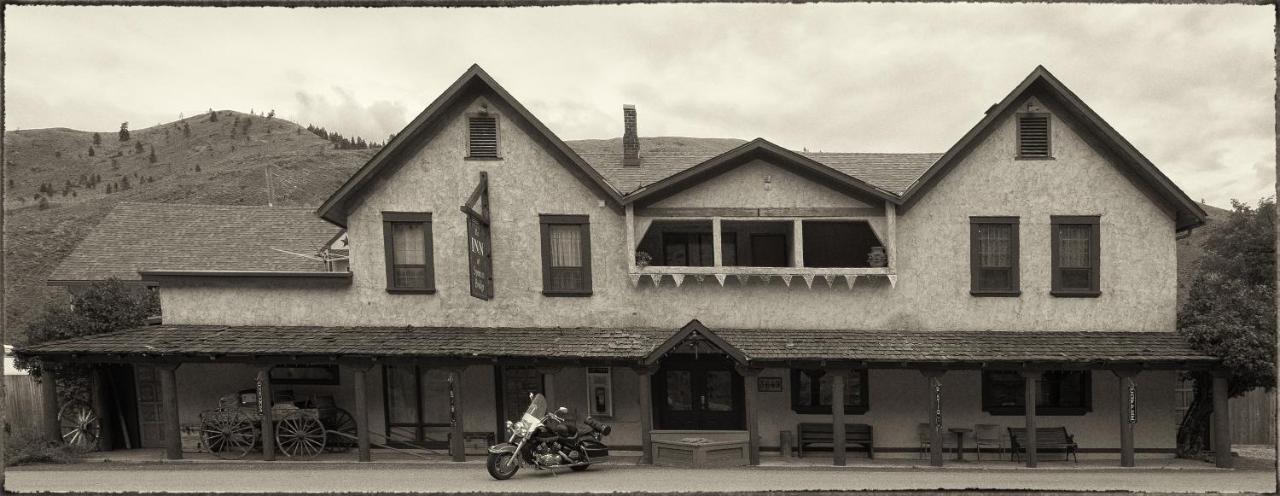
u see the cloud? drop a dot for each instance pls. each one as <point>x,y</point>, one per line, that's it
<point>347,115</point>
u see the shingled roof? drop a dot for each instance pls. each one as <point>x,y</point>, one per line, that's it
<point>160,236</point>
<point>758,345</point>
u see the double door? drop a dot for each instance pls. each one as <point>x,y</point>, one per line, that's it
<point>698,393</point>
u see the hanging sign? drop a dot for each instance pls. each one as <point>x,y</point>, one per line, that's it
<point>479,244</point>
<point>937,414</point>
<point>1133,402</point>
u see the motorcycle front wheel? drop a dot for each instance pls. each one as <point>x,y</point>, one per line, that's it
<point>502,466</point>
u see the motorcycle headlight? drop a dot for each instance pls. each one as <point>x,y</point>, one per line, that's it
<point>511,426</point>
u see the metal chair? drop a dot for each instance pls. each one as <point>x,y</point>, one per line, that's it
<point>988,435</point>
<point>923,430</point>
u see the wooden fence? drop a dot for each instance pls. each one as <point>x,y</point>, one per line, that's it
<point>23,404</point>
<point>1253,418</point>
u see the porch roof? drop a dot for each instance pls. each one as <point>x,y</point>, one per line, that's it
<point>883,348</point>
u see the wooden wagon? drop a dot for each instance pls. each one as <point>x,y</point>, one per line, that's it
<point>303,429</point>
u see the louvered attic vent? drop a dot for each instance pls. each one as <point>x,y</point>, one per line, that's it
<point>482,139</point>
<point>1033,136</point>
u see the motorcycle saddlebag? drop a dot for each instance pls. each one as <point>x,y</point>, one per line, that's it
<point>596,450</point>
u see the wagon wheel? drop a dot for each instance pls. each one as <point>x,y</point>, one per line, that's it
<point>80,425</point>
<point>300,435</point>
<point>341,423</point>
<point>229,435</point>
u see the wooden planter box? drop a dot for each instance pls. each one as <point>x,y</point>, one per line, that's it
<point>700,455</point>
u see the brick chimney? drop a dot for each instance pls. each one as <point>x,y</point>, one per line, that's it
<point>630,140</point>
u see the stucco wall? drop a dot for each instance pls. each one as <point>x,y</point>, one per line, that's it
<point>1137,273</point>
<point>759,184</point>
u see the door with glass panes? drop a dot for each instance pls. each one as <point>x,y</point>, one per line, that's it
<point>418,406</point>
<point>698,393</point>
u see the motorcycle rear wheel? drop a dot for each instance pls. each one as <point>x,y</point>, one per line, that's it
<point>502,466</point>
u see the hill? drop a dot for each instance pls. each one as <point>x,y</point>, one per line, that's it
<point>240,159</point>
<point>1191,248</point>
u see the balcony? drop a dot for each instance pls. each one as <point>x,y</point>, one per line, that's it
<point>831,246</point>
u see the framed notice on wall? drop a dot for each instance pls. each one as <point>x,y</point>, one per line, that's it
<point>599,392</point>
<point>769,384</point>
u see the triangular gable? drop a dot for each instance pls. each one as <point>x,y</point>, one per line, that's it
<point>695,330</point>
<point>475,79</point>
<point>758,148</point>
<point>1045,85</point>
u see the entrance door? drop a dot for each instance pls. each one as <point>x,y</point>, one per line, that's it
<point>150,423</point>
<point>702,393</point>
<point>417,405</point>
<point>515,384</point>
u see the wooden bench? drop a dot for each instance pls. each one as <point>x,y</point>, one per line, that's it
<point>817,433</point>
<point>1047,438</point>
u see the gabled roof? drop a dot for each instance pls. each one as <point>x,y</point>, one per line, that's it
<point>758,148</point>
<point>1045,86</point>
<point>694,331</point>
<point>159,236</point>
<point>473,82</point>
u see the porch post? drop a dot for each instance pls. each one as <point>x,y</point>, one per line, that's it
<point>1128,414</point>
<point>752,389</point>
<point>457,446</point>
<point>98,395</point>
<point>549,386</point>
<point>936,439</point>
<point>362,412</point>
<point>49,396</point>
<point>646,414</point>
<point>1221,421</point>
<point>1030,377</point>
<point>265,403</point>
<point>169,408</point>
<point>838,450</point>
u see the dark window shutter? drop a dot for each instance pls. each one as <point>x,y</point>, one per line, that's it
<point>1033,135</point>
<point>482,138</point>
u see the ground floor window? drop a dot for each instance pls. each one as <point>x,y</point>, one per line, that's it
<point>1060,392</point>
<point>811,391</point>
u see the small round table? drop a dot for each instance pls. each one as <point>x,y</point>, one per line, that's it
<point>960,432</point>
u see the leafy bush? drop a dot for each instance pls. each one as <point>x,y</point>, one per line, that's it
<point>25,448</point>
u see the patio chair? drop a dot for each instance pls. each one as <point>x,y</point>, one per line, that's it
<point>922,432</point>
<point>988,435</point>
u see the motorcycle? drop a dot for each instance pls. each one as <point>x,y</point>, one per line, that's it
<point>545,441</point>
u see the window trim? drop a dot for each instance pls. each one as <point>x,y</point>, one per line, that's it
<point>388,247</point>
<point>497,136</point>
<point>1048,137</point>
<point>1048,411</point>
<point>545,221</point>
<point>826,410</point>
<point>1095,256</point>
<point>1015,270</point>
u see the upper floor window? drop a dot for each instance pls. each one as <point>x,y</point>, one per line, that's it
<point>1033,136</point>
<point>406,238</point>
<point>566,255</point>
<point>482,136</point>
<point>811,391</point>
<point>993,256</point>
<point>1076,255</point>
<point>1059,392</point>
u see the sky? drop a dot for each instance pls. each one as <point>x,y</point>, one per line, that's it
<point>1190,86</point>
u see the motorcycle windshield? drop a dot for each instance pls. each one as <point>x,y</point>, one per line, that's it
<point>537,407</point>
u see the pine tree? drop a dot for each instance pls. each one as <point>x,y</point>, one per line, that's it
<point>152,158</point>
<point>91,152</point>
<point>97,139</point>
<point>213,116</point>
<point>186,130</point>
<point>137,147</point>
<point>124,131</point>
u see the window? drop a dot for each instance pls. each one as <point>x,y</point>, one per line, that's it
<point>811,391</point>
<point>482,137</point>
<point>566,255</point>
<point>406,237</point>
<point>993,256</point>
<point>1076,256</point>
<point>1061,392</point>
<point>1033,136</point>
<point>694,249</point>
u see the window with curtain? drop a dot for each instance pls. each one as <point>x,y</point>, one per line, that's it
<point>407,239</point>
<point>811,391</point>
<point>1076,256</point>
<point>566,255</point>
<point>994,256</point>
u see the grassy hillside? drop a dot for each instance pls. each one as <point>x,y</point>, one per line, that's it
<point>1191,248</point>
<point>211,164</point>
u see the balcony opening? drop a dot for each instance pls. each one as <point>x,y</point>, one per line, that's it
<point>829,244</point>
<point>681,243</point>
<point>758,243</point>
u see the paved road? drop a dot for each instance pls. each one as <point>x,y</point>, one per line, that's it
<point>472,478</point>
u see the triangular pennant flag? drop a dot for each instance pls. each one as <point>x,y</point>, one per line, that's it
<point>742,278</point>
<point>893,281</point>
<point>786,279</point>
<point>831,279</point>
<point>808,280</point>
<point>656,278</point>
<point>720,277</point>
<point>678,278</point>
<point>635,280</point>
<point>849,279</point>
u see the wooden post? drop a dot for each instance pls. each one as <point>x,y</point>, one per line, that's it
<point>631,238</point>
<point>1030,377</point>
<point>751,391</point>
<point>1221,421</point>
<point>169,408</point>
<point>797,243</point>
<point>265,404</point>
<point>98,395</point>
<point>49,397</point>
<point>891,236</point>
<point>362,413</point>
<point>1128,414</point>
<point>716,246</point>
<point>646,414</point>
<point>936,439</point>
<point>838,450</point>
<point>457,444</point>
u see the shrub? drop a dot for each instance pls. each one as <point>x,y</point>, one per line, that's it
<point>152,158</point>
<point>25,448</point>
<point>97,139</point>
<point>124,131</point>
<point>91,152</point>
<point>213,116</point>
<point>44,203</point>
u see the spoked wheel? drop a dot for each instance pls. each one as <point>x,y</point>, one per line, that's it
<point>339,431</point>
<point>80,425</point>
<point>502,466</point>
<point>229,435</point>
<point>300,435</point>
